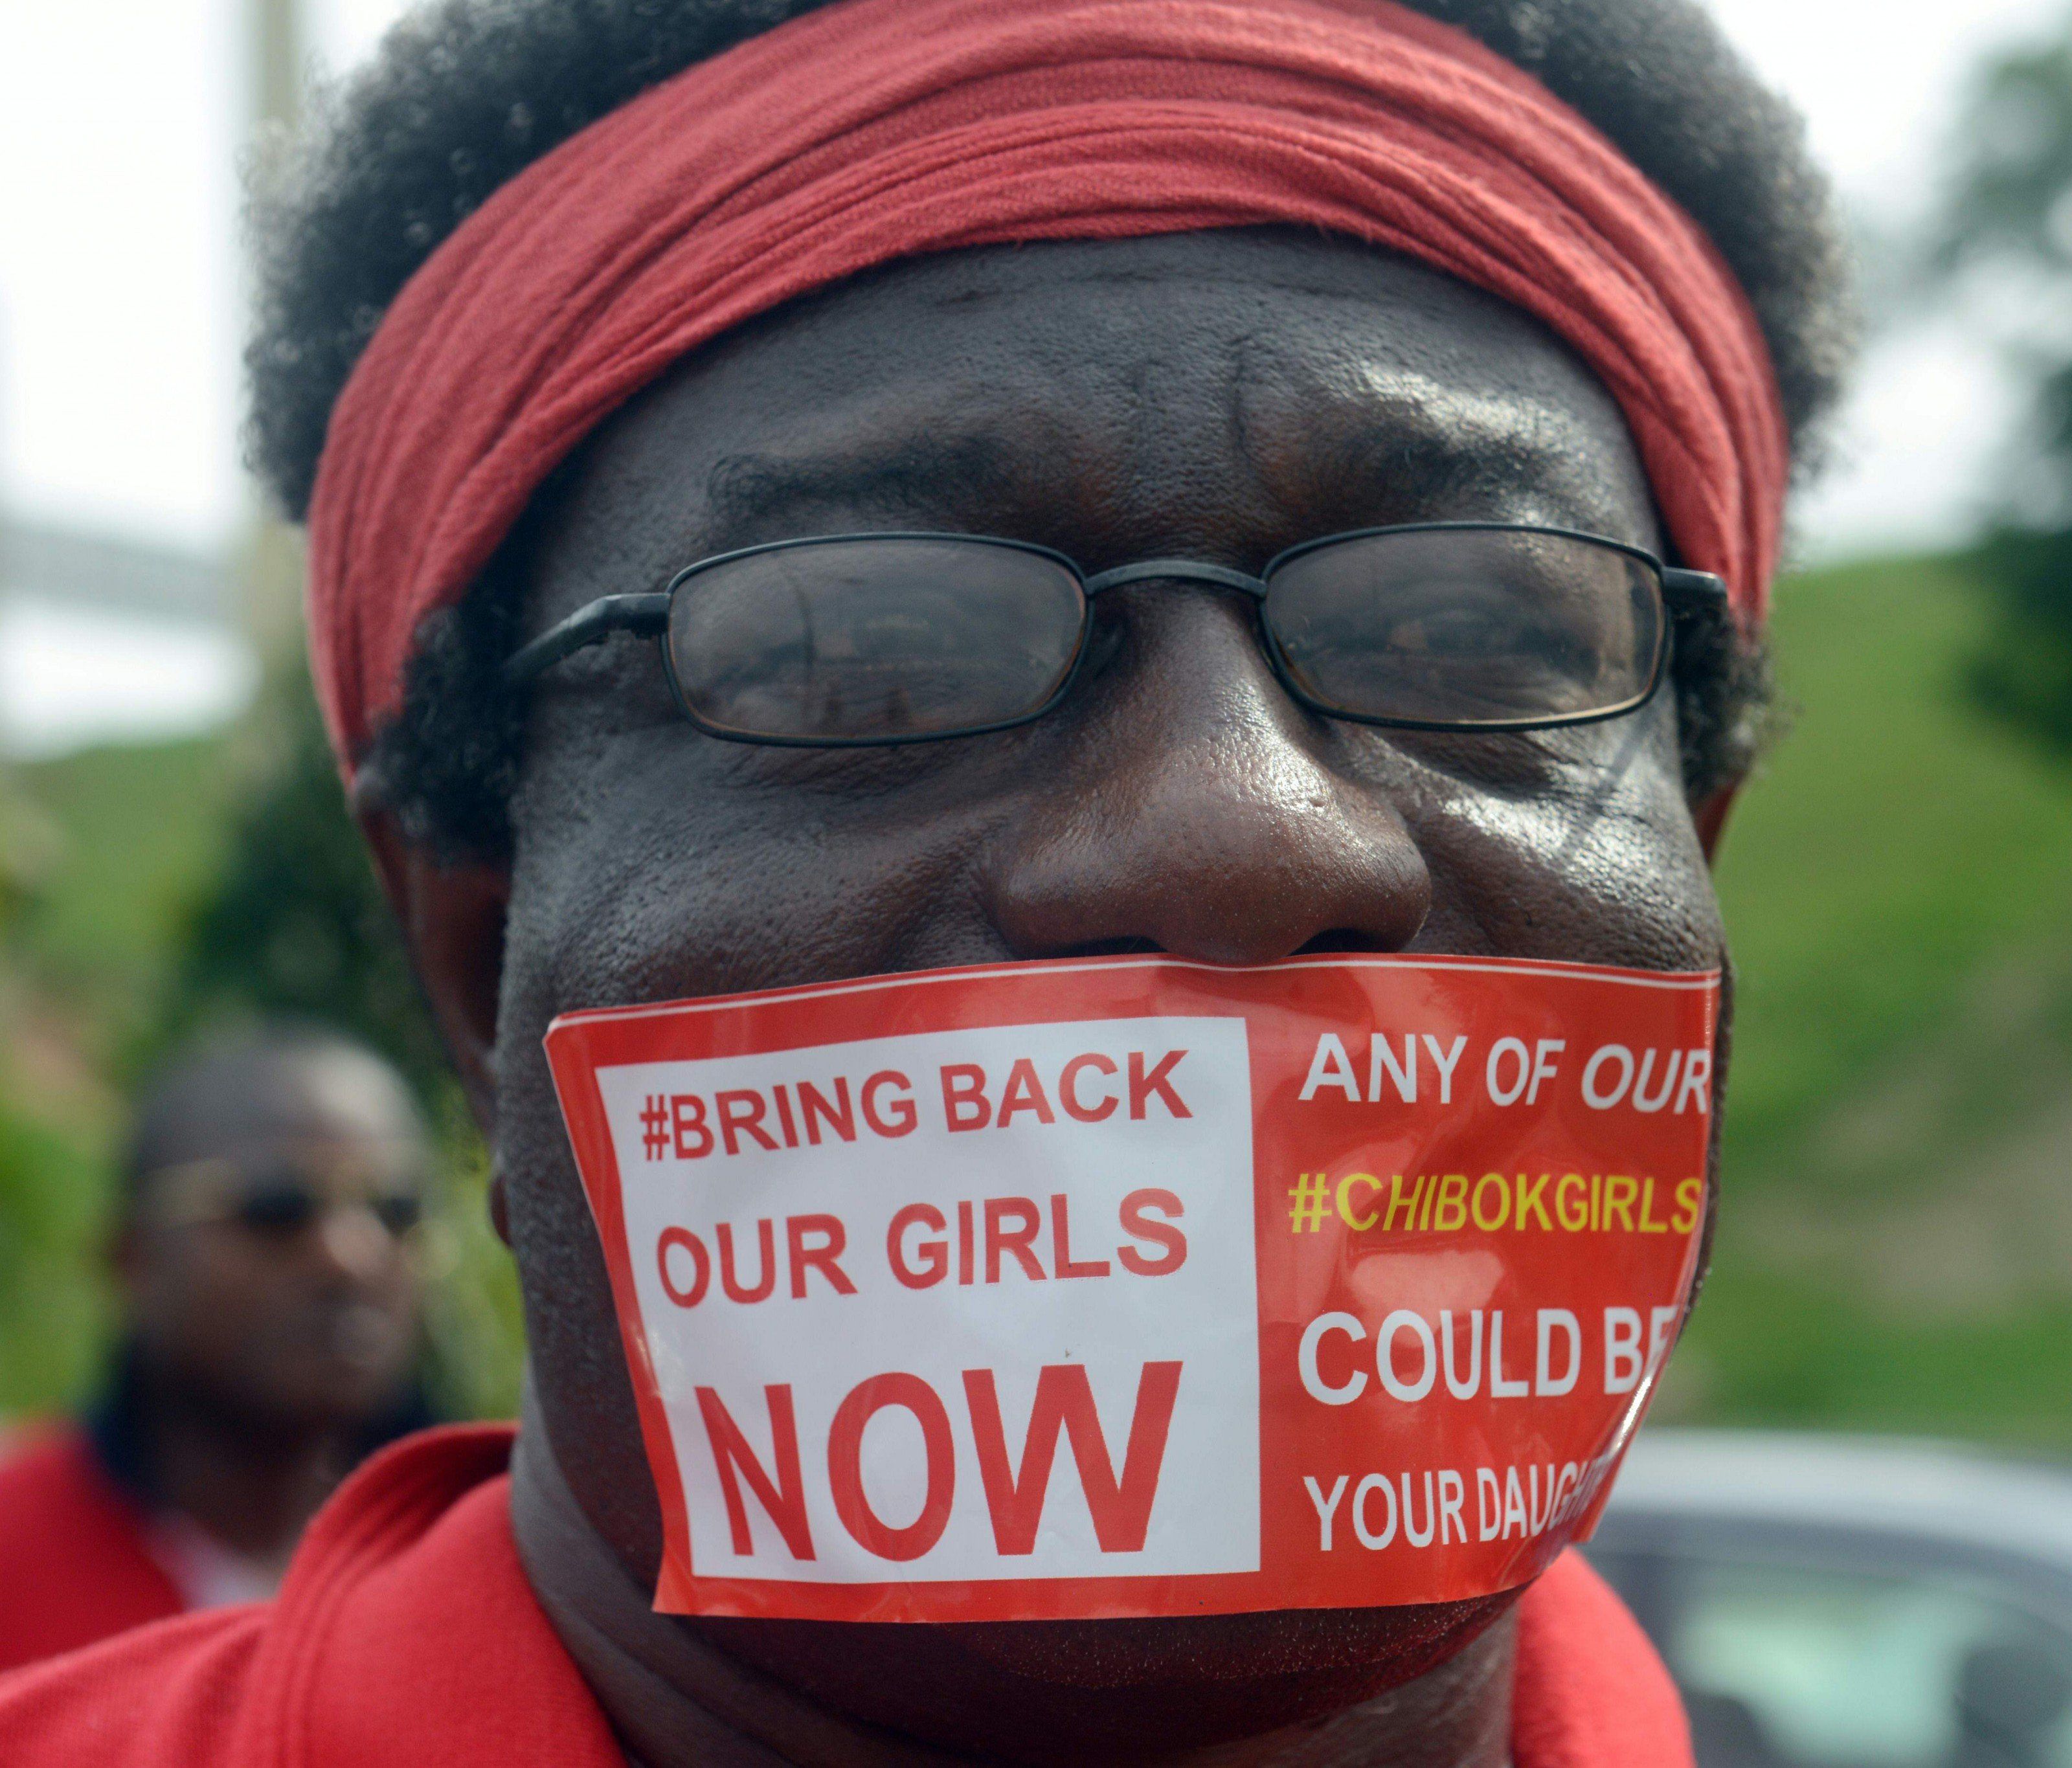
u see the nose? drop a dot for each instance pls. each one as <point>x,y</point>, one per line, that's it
<point>354,1243</point>
<point>1195,814</point>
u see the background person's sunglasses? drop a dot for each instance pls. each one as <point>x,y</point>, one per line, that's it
<point>271,1200</point>
<point>861,639</point>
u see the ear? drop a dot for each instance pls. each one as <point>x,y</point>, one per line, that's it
<point>453,920</point>
<point>1710,815</point>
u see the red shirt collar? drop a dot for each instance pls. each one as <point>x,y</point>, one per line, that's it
<point>416,1554</point>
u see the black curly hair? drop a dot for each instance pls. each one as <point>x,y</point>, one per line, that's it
<point>463,94</point>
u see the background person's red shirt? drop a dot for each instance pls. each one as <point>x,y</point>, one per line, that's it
<point>75,1559</point>
<point>406,1634</point>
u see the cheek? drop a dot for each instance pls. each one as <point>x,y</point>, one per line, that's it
<point>1580,847</point>
<point>402,1285</point>
<point>671,866</point>
<point>208,1298</point>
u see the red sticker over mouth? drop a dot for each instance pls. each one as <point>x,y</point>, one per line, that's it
<point>1138,1287</point>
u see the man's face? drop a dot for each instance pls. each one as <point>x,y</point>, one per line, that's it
<point>268,1269</point>
<point>1218,396</point>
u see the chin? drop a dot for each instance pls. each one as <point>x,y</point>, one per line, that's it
<point>1106,1691</point>
<point>330,1396</point>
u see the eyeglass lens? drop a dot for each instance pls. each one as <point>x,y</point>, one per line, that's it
<point>284,1204</point>
<point>873,639</point>
<point>870,640</point>
<point>1467,626</point>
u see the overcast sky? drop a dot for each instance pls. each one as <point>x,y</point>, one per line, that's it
<point>120,286</point>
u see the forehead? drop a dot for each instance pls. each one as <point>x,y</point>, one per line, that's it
<point>1228,392</point>
<point>246,1103</point>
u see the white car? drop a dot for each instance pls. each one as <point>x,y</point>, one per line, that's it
<point>1851,1602</point>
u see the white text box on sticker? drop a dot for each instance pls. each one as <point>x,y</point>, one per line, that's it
<point>969,1304</point>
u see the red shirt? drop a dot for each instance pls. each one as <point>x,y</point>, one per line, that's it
<point>406,1635</point>
<point>75,1563</point>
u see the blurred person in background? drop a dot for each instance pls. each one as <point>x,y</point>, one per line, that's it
<point>568,298</point>
<point>268,1296</point>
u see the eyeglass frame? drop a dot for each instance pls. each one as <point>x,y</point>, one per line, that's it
<point>233,1179</point>
<point>1686,595</point>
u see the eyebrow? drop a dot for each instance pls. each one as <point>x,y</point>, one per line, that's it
<point>1403,458</point>
<point>1412,455</point>
<point>942,477</point>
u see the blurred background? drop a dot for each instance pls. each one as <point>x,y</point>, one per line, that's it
<point>1896,1248</point>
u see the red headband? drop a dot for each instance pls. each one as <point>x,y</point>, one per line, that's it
<point>877,129</point>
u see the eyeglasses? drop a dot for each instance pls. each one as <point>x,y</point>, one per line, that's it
<point>273,1200</point>
<point>854,640</point>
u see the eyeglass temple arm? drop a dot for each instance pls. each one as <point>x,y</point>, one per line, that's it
<point>642,615</point>
<point>1690,592</point>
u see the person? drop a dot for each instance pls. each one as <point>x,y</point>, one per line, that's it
<point>565,299</point>
<point>268,1296</point>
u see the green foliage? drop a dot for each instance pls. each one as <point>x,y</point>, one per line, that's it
<point>2006,229</point>
<point>2022,671</point>
<point>294,923</point>
<point>50,1189</point>
<point>137,833</point>
<point>51,1195</point>
<point>1893,847</point>
<point>1784,1353</point>
<point>27,846</point>
<point>2009,210</point>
